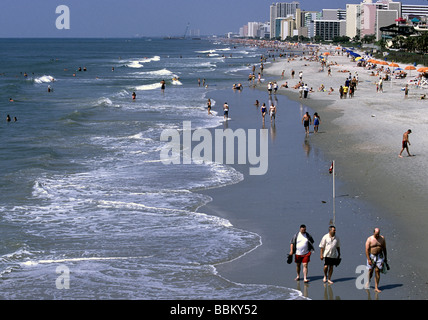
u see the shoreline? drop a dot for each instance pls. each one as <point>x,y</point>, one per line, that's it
<point>358,198</point>
<point>361,130</point>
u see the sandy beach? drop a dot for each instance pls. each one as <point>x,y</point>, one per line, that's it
<point>374,187</point>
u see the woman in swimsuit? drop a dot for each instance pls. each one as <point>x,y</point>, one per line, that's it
<point>263,110</point>
<point>316,121</point>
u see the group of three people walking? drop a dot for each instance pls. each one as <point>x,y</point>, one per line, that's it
<point>302,245</point>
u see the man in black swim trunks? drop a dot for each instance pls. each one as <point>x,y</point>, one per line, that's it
<point>405,143</point>
<point>306,120</point>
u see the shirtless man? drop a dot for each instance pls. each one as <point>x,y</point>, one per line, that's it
<point>306,121</point>
<point>272,112</point>
<point>376,256</point>
<point>405,143</point>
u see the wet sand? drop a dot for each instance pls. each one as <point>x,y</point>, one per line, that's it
<point>373,189</point>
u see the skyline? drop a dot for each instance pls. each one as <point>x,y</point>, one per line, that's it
<point>130,18</point>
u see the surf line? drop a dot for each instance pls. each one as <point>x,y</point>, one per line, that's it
<point>179,148</point>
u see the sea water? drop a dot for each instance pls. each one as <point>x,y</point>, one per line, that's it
<point>87,209</point>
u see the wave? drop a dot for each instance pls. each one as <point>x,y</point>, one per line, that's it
<point>206,51</point>
<point>145,87</point>
<point>135,64</point>
<point>146,60</point>
<point>105,102</point>
<point>162,72</point>
<point>44,79</point>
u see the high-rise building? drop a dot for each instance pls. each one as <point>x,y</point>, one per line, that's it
<point>353,22</point>
<point>281,10</point>
<point>414,10</point>
<point>329,29</point>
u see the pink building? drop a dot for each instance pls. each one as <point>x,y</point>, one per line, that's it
<point>368,19</point>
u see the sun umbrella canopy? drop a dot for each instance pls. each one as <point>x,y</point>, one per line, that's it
<point>423,69</point>
<point>410,68</point>
<point>326,53</point>
<point>394,65</point>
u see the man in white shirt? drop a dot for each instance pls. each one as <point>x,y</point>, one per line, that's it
<point>330,253</point>
<point>302,246</point>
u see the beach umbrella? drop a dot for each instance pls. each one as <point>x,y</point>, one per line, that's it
<point>423,69</point>
<point>394,65</point>
<point>326,53</point>
<point>410,68</point>
<point>383,62</point>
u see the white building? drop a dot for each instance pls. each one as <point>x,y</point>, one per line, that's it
<point>281,10</point>
<point>353,22</point>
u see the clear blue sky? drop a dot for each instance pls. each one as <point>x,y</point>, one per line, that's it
<point>127,18</point>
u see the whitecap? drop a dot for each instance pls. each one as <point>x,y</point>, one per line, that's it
<point>162,72</point>
<point>44,79</point>
<point>146,60</point>
<point>145,87</point>
<point>135,64</point>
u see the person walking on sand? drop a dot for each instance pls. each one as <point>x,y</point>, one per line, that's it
<point>406,91</point>
<point>301,245</point>
<point>329,252</point>
<point>317,121</point>
<point>272,112</point>
<point>405,143</point>
<point>376,257</point>
<point>306,121</point>
<point>263,110</point>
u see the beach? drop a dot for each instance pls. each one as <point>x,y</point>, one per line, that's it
<point>374,187</point>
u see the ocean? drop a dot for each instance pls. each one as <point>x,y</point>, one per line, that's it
<point>87,209</point>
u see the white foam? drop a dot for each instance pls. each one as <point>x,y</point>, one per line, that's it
<point>49,261</point>
<point>206,51</point>
<point>44,79</point>
<point>146,87</point>
<point>162,72</point>
<point>135,64</point>
<point>146,60</point>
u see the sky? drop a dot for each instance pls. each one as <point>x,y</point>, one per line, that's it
<point>130,18</point>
